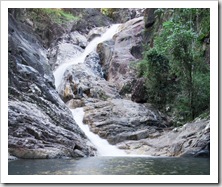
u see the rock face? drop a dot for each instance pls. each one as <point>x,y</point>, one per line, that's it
<point>90,18</point>
<point>39,124</point>
<point>122,15</point>
<point>118,120</point>
<point>139,91</point>
<point>105,51</point>
<point>119,55</point>
<point>84,81</point>
<point>66,48</point>
<point>190,140</point>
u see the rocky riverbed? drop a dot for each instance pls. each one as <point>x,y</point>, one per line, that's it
<point>105,83</point>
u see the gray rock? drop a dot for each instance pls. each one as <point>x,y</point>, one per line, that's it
<point>96,32</point>
<point>118,120</point>
<point>105,51</point>
<point>119,57</point>
<point>122,15</point>
<point>190,140</point>
<point>63,53</point>
<point>85,80</point>
<point>39,124</point>
<point>67,48</point>
<point>89,19</point>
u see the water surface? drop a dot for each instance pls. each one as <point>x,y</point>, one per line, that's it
<point>111,166</point>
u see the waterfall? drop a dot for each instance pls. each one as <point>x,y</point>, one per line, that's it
<point>102,145</point>
<point>58,73</point>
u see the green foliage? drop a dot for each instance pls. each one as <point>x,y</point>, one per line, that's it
<point>155,67</point>
<point>175,69</point>
<point>201,92</point>
<point>108,11</point>
<point>58,16</point>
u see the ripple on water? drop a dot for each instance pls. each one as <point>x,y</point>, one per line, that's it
<point>112,166</point>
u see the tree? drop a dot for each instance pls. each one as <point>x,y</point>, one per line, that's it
<point>179,42</point>
<point>155,67</point>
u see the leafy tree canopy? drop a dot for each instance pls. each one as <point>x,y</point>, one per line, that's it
<point>175,69</point>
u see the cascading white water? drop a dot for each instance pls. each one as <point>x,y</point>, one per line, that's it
<point>58,73</point>
<point>102,145</point>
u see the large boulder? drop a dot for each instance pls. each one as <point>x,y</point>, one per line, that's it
<point>105,51</point>
<point>84,81</point>
<point>118,120</point>
<point>190,140</point>
<point>122,15</point>
<point>39,124</point>
<point>126,51</point>
<point>89,19</point>
<point>66,48</point>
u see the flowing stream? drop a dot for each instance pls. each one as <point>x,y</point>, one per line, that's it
<point>102,145</point>
<point>110,160</point>
<point>58,73</point>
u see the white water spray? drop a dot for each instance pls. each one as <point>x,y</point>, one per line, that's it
<point>102,145</point>
<point>58,73</point>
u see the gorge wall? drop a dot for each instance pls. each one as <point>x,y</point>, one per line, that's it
<point>40,125</point>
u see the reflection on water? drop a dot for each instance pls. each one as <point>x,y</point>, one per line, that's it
<point>111,166</point>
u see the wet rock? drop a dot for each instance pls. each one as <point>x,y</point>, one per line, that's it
<point>63,53</point>
<point>78,39</point>
<point>190,140</point>
<point>126,51</point>
<point>92,61</point>
<point>11,157</point>
<point>122,15</point>
<point>67,48</point>
<point>75,103</point>
<point>96,32</point>
<point>118,120</point>
<point>39,124</point>
<point>139,91</point>
<point>105,51</point>
<point>90,18</point>
<point>149,17</point>
<point>84,81</point>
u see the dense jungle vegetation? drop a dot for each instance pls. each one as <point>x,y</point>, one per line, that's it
<point>175,68</point>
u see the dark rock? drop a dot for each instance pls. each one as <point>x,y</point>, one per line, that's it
<point>122,15</point>
<point>39,124</point>
<point>204,151</point>
<point>93,62</point>
<point>150,27</point>
<point>139,91</point>
<point>149,17</point>
<point>90,18</point>
<point>45,28</point>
